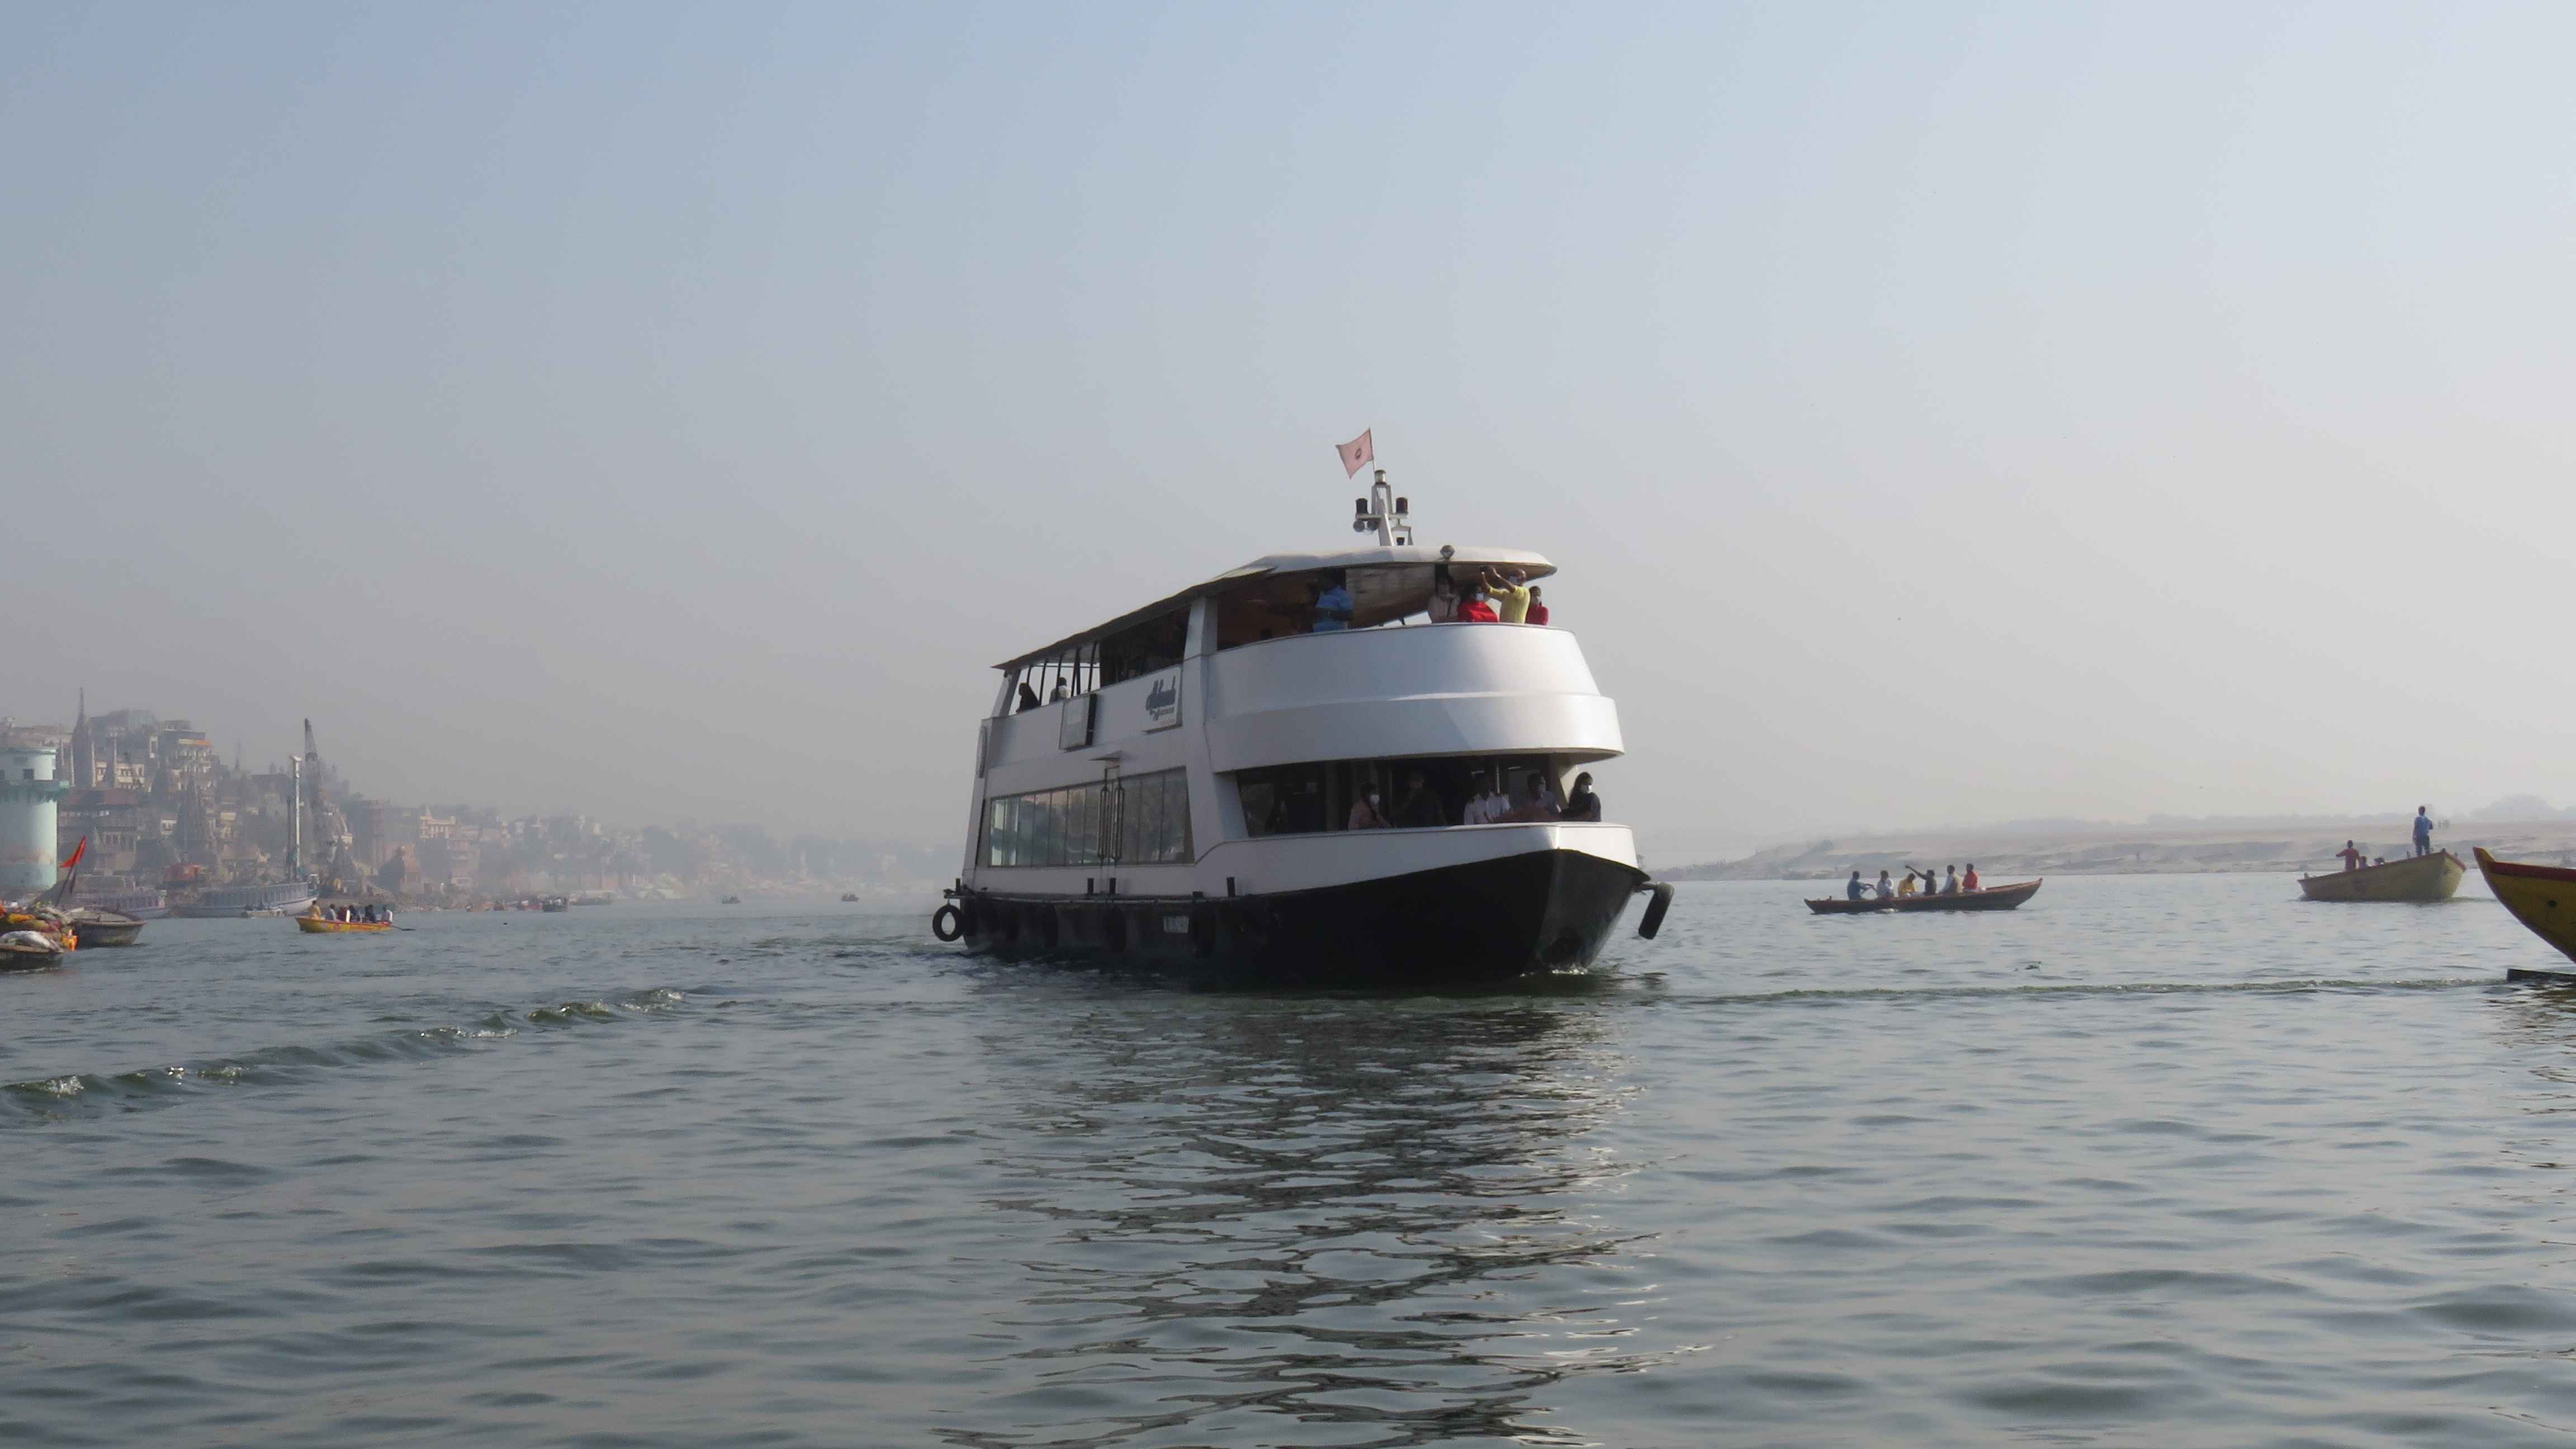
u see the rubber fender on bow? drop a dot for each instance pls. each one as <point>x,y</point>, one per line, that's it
<point>1653,920</point>
<point>948,923</point>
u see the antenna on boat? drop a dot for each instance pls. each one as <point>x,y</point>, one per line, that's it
<point>1390,517</point>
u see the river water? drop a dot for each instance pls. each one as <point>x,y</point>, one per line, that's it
<point>2152,1161</point>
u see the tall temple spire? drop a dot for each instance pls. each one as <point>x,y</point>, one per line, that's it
<point>84,751</point>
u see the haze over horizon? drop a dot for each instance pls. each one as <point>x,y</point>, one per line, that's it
<point>1936,414</point>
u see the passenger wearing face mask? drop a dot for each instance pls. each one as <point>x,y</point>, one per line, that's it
<point>1367,814</point>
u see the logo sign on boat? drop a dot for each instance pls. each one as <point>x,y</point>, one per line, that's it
<point>1163,701</point>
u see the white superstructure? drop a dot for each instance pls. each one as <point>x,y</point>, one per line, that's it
<point>1212,745</point>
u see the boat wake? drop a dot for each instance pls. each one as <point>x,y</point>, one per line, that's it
<point>51,1099</point>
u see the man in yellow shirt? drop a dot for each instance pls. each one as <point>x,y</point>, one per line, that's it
<point>1511,595</point>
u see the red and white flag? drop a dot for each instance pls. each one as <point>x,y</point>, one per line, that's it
<point>1356,454</point>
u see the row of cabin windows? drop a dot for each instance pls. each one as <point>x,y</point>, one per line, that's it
<point>1306,798</point>
<point>1132,653</point>
<point>1270,606</point>
<point>1132,820</point>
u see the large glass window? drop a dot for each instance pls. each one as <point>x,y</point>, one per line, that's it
<point>1132,820</point>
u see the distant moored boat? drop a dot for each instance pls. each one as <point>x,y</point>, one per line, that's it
<point>99,927</point>
<point>325,926</point>
<point>2422,878</point>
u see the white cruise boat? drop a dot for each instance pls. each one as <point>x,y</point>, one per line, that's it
<point>1184,783</point>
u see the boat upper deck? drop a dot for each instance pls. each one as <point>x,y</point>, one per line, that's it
<point>1270,598</point>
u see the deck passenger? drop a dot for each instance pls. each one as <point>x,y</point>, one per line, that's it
<point>1856,891</point>
<point>1537,798</point>
<point>1420,808</point>
<point>1333,606</point>
<point>1364,814</point>
<point>1886,889</point>
<point>2350,855</point>
<point>2423,830</point>
<point>1538,608</point>
<point>1061,690</point>
<point>1028,698</point>
<point>1489,807</point>
<point>1968,882</point>
<point>1443,608</point>
<point>1511,595</point>
<point>1476,610</point>
<point>1583,804</point>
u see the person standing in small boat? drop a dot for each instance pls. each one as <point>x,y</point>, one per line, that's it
<point>2350,855</point>
<point>1856,891</point>
<point>2423,830</point>
<point>1950,887</point>
<point>1886,888</point>
<point>1968,882</point>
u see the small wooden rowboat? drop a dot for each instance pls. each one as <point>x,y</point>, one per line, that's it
<point>2542,897</point>
<point>1991,898</point>
<point>2425,878</point>
<point>29,954</point>
<point>99,926</point>
<point>317,925</point>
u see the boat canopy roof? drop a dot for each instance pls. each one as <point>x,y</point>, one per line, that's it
<point>1387,583</point>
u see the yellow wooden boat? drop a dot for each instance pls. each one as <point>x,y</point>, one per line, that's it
<point>2434,877</point>
<point>318,925</point>
<point>2542,897</point>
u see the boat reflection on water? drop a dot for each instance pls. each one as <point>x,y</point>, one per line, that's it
<point>1360,1212</point>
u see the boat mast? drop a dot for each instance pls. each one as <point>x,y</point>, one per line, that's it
<point>295,851</point>
<point>1390,517</point>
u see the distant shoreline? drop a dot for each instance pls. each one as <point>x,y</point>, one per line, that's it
<point>2016,855</point>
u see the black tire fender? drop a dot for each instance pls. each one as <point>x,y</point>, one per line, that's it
<point>948,923</point>
<point>1653,920</point>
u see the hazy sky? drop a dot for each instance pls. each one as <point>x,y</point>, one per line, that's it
<point>1939,413</point>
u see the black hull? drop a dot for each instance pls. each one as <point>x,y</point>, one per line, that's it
<point>1459,925</point>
